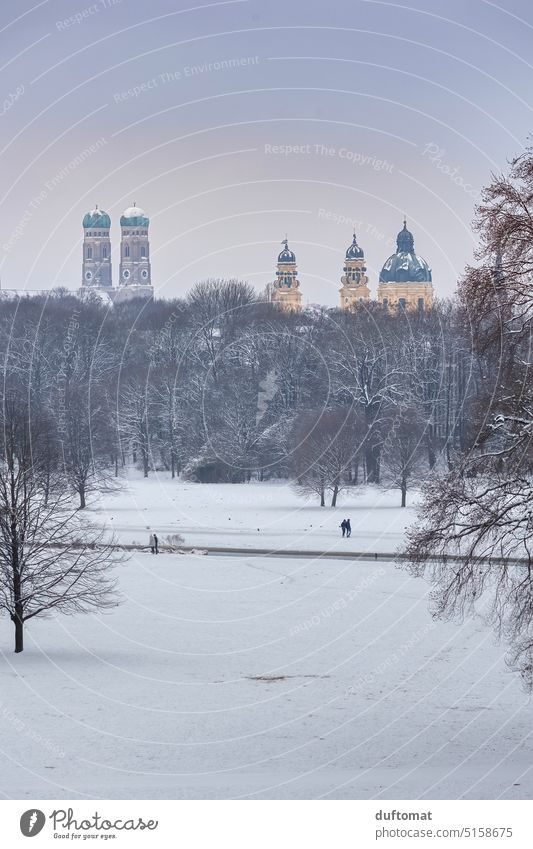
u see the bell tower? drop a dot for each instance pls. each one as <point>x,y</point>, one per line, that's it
<point>96,264</point>
<point>286,288</point>
<point>134,248</point>
<point>354,281</point>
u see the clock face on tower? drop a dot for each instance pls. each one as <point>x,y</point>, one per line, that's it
<point>144,274</point>
<point>126,273</point>
<point>88,275</point>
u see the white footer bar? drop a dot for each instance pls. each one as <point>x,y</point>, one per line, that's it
<point>268,824</point>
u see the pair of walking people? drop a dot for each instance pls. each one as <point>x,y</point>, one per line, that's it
<point>154,542</point>
<point>346,528</point>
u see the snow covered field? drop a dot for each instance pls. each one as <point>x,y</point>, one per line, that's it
<point>260,677</point>
<point>267,515</point>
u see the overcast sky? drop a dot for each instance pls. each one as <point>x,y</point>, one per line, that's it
<point>233,123</point>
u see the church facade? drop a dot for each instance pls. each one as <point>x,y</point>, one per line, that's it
<point>354,281</point>
<point>286,287</point>
<point>135,276</point>
<point>405,280</point>
<point>96,266</point>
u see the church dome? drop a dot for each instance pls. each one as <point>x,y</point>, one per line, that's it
<point>405,266</point>
<point>286,256</point>
<point>405,242</point>
<point>354,251</point>
<point>134,216</point>
<point>96,218</point>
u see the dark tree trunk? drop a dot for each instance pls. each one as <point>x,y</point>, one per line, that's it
<point>81,493</point>
<point>47,488</point>
<point>372,453</point>
<point>334,496</point>
<point>19,629</point>
<point>432,457</point>
<point>322,498</point>
<point>372,465</point>
<point>18,616</point>
<point>404,491</point>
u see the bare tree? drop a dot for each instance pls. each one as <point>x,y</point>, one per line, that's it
<point>136,418</point>
<point>308,464</point>
<point>325,445</point>
<point>403,449</point>
<point>49,560</point>
<point>217,309</point>
<point>172,371</point>
<point>482,508</point>
<point>369,375</point>
<point>85,433</point>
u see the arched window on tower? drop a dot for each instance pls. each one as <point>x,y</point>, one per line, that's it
<point>143,251</point>
<point>104,251</point>
<point>89,252</point>
<point>126,250</point>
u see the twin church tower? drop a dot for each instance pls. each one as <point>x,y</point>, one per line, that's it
<point>404,282</point>
<point>135,279</point>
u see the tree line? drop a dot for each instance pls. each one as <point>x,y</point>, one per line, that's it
<point>223,387</point>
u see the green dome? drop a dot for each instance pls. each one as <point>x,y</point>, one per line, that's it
<point>134,216</point>
<point>96,218</point>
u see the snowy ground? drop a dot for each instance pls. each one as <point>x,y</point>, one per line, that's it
<point>268,515</point>
<point>260,677</point>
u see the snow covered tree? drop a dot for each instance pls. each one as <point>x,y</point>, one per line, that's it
<point>137,417</point>
<point>217,309</point>
<point>482,507</point>
<point>171,373</point>
<point>368,374</point>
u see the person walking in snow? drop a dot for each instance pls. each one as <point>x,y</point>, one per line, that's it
<point>348,528</point>
<point>343,526</point>
<point>156,542</point>
<point>152,543</point>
